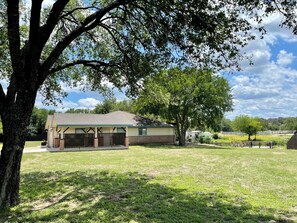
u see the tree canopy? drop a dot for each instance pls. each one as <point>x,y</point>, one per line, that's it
<point>291,123</point>
<point>248,125</point>
<point>111,104</point>
<point>38,120</point>
<point>189,97</point>
<point>118,41</point>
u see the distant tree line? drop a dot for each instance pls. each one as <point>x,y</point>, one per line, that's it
<point>272,124</point>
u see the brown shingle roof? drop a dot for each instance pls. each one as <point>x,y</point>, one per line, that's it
<point>118,118</point>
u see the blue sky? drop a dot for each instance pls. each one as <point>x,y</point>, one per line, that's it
<point>265,89</point>
<point>268,87</point>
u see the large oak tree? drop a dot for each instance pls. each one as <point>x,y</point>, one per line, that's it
<point>121,41</point>
<point>188,97</point>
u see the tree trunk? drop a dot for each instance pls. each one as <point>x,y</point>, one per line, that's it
<point>181,131</point>
<point>182,139</point>
<point>15,119</point>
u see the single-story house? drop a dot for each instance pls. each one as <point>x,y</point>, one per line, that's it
<point>115,129</point>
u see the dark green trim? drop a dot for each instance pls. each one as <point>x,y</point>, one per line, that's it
<point>149,126</point>
<point>117,125</point>
<point>87,125</point>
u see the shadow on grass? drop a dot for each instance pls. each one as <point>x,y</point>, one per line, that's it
<point>110,197</point>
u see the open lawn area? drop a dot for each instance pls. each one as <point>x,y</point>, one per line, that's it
<point>158,184</point>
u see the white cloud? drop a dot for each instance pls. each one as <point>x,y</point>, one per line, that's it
<point>270,93</point>
<point>61,107</point>
<point>268,87</point>
<point>284,58</point>
<point>66,104</point>
<point>88,102</point>
<point>275,31</point>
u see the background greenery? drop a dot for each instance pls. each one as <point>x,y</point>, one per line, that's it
<point>278,140</point>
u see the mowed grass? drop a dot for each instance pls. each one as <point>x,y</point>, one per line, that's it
<point>29,144</point>
<point>158,184</point>
<point>32,144</point>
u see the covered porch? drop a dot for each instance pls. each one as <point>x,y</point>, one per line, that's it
<point>90,137</point>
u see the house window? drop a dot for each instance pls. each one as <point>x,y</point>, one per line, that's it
<point>80,131</point>
<point>142,131</point>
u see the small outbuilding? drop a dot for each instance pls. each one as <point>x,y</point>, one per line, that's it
<point>115,129</point>
<point>292,143</point>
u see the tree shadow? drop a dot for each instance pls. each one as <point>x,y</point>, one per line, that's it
<point>111,197</point>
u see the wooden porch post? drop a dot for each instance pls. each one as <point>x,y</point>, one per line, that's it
<point>96,138</point>
<point>127,137</point>
<point>62,143</point>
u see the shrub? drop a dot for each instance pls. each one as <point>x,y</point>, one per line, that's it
<point>205,139</point>
<point>201,139</point>
<point>43,143</point>
<point>215,136</point>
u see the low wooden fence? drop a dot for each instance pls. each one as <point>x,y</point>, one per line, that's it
<point>249,144</point>
<point>280,132</point>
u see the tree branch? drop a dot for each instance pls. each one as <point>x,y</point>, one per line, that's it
<point>51,22</point>
<point>14,32</point>
<point>34,20</point>
<point>88,24</point>
<point>67,13</point>
<point>90,63</point>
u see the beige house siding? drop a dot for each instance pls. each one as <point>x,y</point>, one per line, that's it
<point>152,131</point>
<point>154,135</point>
<point>132,132</point>
<point>160,131</point>
<point>164,139</point>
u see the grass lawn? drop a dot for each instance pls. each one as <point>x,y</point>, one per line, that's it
<point>32,144</point>
<point>158,184</point>
<point>29,145</point>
